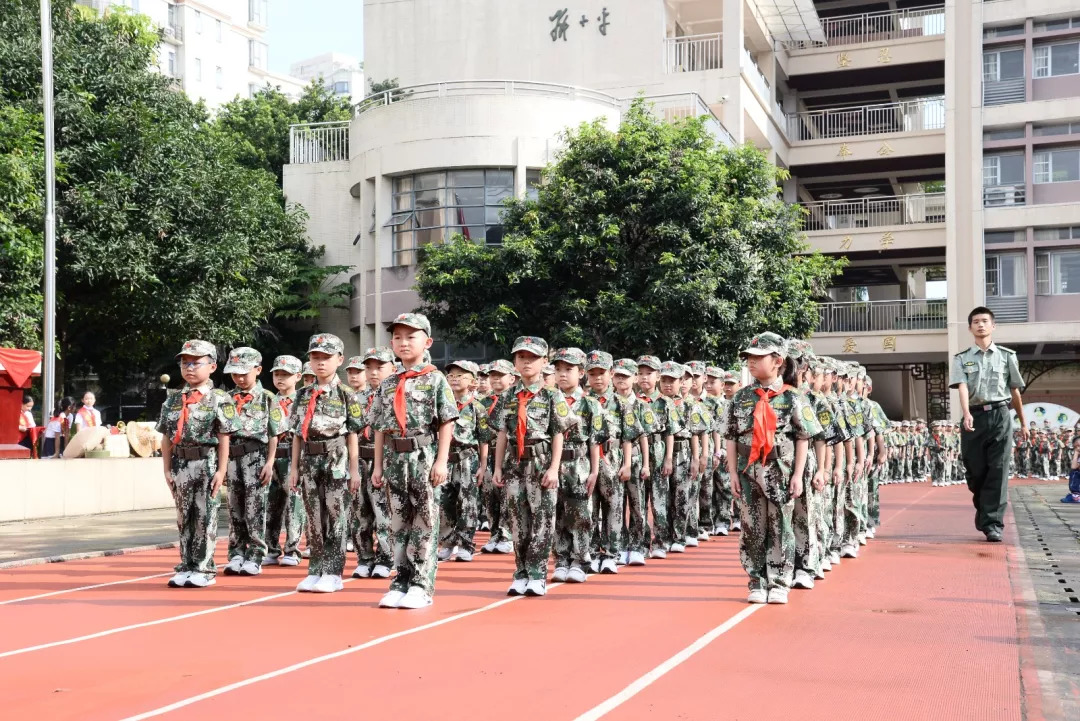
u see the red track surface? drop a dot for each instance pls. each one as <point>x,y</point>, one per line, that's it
<point>920,626</point>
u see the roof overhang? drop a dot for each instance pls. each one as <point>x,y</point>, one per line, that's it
<point>791,20</point>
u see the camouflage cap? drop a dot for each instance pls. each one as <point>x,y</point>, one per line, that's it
<point>625,367</point>
<point>287,363</point>
<point>380,353</point>
<point>198,349</point>
<point>355,362</point>
<point>418,321</point>
<point>549,369</point>
<point>530,344</point>
<point>243,360</point>
<point>484,369</point>
<point>326,343</point>
<point>306,370</point>
<point>571,356</point>
<point>599,359</point>
<point>649,361</point>
<point>731,377</point>
<point>794,349</point>
<point>466,365</point>
<point>696,368</point>
<point>766,344</point>
<point>502,366</point>
<point>671,369</point>
<point>714,372</point>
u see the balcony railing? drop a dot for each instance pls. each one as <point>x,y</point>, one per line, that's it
<point>913,209</point>
<point>455,88</point>
<point>692,53</point>
<point>1003,92</point>
<point>1008,309</point>
<point>757,78</point>
<point>1001,195</point>
<point>877,316</point>
<point>873,27</point>
<point>173,32</point>
<point>905,116</point>
<point>678,106</point>
<point>319,142</point>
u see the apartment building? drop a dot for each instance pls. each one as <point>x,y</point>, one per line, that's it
<point>216,50</point>
<point>343,74</point>
<point>935,146</point>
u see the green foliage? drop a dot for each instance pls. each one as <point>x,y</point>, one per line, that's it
<point>653,238</point>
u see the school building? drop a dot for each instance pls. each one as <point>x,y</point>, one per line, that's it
<point>936,146</point>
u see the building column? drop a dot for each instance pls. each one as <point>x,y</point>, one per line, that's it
<point>382,240</point>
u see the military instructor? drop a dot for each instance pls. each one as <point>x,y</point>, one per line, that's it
<point>988,378</point>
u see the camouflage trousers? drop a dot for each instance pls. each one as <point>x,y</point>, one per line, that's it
<point>722,496</point>
<point>908,470</point>
<point>607,507</point>
<point>804,522</point>
<point>767,541</point>
<point>873,496</point>
<point>636,531</point>
<point>493,500</point>
<point>369,522</point>
<point>896,469</point>
<point>658,492</point>
<point>682,487</point>
<point>532,513</point>
<point>247,507</point>
<point>852,510</point>
<point>573,515</point>
<point>414,517</point>
<point>825,517</point>
<point>837,509</point>
<point>459,505</point>
<point>324,483</point>
<point>283,508</point>
<point>940,471</point>
<point>196,513</point>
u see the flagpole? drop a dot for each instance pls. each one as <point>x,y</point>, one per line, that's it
<point>49,347</point>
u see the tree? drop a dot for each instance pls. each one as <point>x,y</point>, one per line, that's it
<point>652,238</point>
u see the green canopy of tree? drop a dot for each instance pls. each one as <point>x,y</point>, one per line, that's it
<point>164,231</point>
<point>651,238</point>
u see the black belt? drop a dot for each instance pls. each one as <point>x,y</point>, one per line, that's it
<point>745,449</point>
<point>682,442</point>
<point>244,447</point>
<point>573,452</point>
<point>459,452</point>
<point>534,448</point>
<point>610,445</point>
<point>322,448</point>
<point>410,443</point>
<point>366,451</point>
<point>987,407</point>
<point>193,453</point>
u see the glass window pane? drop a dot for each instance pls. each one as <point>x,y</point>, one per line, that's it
<point>466,196</point>
<point>990,66</point>
<point>494,235</point>
<point>1065,59</point>
<point>430,236</point>
<point>501,178</point>
<point>430,198</point>
<point>1041,64</point>
<point>1011,64</point>
<point>1066,166</point>
<point>495,195</point>
<point>403,184</point>
<point>467,178</point>
<point>399,220</point>
<point>1059,129</point>
<point>403,201</point>
<point>1012,169</point>
<point>1067,272</point>
<point>467,216</point>
<point>426,181</point>
<point>494,214</point>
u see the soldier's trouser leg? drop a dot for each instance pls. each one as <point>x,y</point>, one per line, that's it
<point>294,515</point>
<point>326,498</point>
<point>873,507</point>
<point>839,516</point>
<point>371,529</point>
<point>247,507</point>
<point>1045,466</point>
<point>659,493</point>
<point>414,517</point>
<point>573,517</point>
<point>804,528</point>
<point>196,513</point>
<point>985,450</point>
<point>608,507</point>
<point>824,519</point>
<point>532,515</point>
<point>767,543</point>
<point>277,496</point>
<point>681,488</point>
<point>851,511</point>
<point>706,518</point>
<point>864,501</point>
<point>637,528</point>
<point>722,496</point>
<point>497,513</point>
<point>462,478</point>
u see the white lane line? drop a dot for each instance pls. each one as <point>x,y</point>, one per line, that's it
<point>320,659</point>
<point>83,588</point>
<point>649,678</point>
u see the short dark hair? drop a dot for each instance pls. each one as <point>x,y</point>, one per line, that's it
<point>981,310</point>
<point>26,398</point>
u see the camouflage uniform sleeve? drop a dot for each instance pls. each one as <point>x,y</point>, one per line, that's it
<point>497,417</point>
<point>355,420</point>
<point>803,418</point>
<point>730,427</point>
<point>561,415</point>
<point>299,408</point>
<point>631,424</point>
<point>484,431</point>
<point>163,425</point>
<point>829,431</point>
<point>226,419</point>
<point>697,417</point>
<point>445,405</point>
<point>276,422</point>
<point>592,420</point>
<point>671,415</point>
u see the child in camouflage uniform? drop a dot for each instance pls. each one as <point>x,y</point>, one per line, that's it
<point>530,419</point>
<point>284,507</point>
<point>687,451</point>
<point>661,416</point>
<point>251,461</point>
<point>195,425</point>
<point>713,401</point>
<point>635,542</point>
<point>767,430</point>
<point>500,378</point>
<point>698,409</point>
<point>413,418</point>
<point>324,462</point>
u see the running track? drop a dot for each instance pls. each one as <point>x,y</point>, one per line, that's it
<point>921,626</point>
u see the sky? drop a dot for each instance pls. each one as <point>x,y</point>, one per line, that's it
<point>299,29</point>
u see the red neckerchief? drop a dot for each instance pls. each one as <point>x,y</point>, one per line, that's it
<point>764,424</point>
<point>399,393</point>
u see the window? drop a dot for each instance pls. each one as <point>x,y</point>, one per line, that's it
<point>1003,31</point>
<point>1057,59</point>
<point>532,184</point>
<point>1005,275</point>
<point>1061,165</point>
<point>198,22</point>
<point>1062,24</point>
<point>198,70</point>
<point>253,90</point>
<point>172,64</point>
<point>1056,129</point>
<point>257,12</point>
<point>219,77</point>
<point>1003,169</point>
<point>1005,64</point>
<point>430,208</point>
<point>1063,233</point>
<point>173,16</point>
<point>1003,134</point>
<point>218,23</point>
<point>1057,272</point>
<point>257,54</point>
<point>341,87</point>
<point>1003,236</point>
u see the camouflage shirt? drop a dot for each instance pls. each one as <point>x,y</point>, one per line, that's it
<point>699,420</point>
<point>853,414</point>
<point>831,430</point>
<point>547,413</point>
<point>286,405</point>
<point>622,423</point>
<point>659,414</point>
<point>471,427</point>
<point>336,412</point>
<point>214,413</point>
<point>590,426</point>
<point>429,403</point>
<point>679,419</point>
<point>716,405</point>
<point>795,419</point>
<point>257,413</point>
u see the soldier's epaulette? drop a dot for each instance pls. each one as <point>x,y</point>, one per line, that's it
<point>1007,350</point>
<point>269,395</point>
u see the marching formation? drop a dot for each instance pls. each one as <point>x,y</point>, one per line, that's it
<point>1045,453</point>
<point>595,462</point>
<point>917,452</point>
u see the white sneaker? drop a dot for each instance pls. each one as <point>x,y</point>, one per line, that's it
<point>834,558</point>
<point>232,568</point>
<point>536,587</point>
<point>826,564</point>
<point>415,598</point>
<point>489,547</point>
<point>861,538</point>
<point>758,595</point>
<point>289,561</point>
<point>271,560</point>
<point>721,530</point>
<point>703,536</point>
<point>485,526</point>
<point>623,559</point>
<point>380,571</point>
<point>560,574</point>
<point>678,548</point>
<point>517,588</point>
<point>200,580</point>
<point>576,574</point>
<point>736,525</point>
<point>463,556</point>
<point>819,574</point>
<point>444,553</point>
<point>871,532</point>
<point>778,595</point>
<point>306,553</point>
<point>658,553</point>
<point>349,547</point>
<point>803,580</point>
<point>849,551</point>
<point>327,583</point>
<point>504,547</point>
<point>691,541</point>
<point>608,565</point>
<point>637,558</point>
<point>308,583</point>
<point>250,568</point>
<point>179,580</point>
<point>594,565</point>
<point>362,571</point>
<point>391,599</point>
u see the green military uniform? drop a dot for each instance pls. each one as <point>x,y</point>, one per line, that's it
<point>660,415</point>
<point>460,499</point>
<point>873,497</point>
<point>493,499</point>
<point>722,497</point>
<point>703,429</point>
<point>635,537</point>
<point>370,527</point>
<point>989,376</point>
<point>680,483</point>
<point>284,508</point>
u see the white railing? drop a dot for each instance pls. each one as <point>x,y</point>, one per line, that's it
<point>173,32</point>
<point>678,106</point>
<point>319,142</point>
<point>913,209</point>
<point>872,27</point>
<point>877,316</point>
<point>481,87</point>
<point>1002,92</point>
<point>693,53</point>
<point>905,116</point>
<point>756,77</point>
<point>1002,195</point>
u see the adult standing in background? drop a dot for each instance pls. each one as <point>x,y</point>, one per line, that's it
<point>987,377</point>
<point>87,416</point>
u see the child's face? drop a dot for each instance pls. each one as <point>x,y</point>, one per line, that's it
<point>89,400</point>
<point>599,379</point>
<point>307,379</point>
<point>499,382</point>
<point>567,376</point>
<point>324,364</point>
<point>460,381</point>
<point>246,381</point>
<point>730,388</point>
<point>670,386</point>
<point>29,405</point>
<point>409,344</point>
<point>529,365</point>
<point>646,378</point>
<point>685,383</point>
<point>285,382</point>
<point>195,371</point>
<point>816,380</point>
<point>764,368</point>
<point>483,387</point>
<point>624,384</point>
<point>697,383</point>
<point>377,372</point>
<point>549,380</point>
<point>356,378</point>
<point>713,386</point>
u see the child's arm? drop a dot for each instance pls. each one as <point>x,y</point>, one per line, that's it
<point>352,442</point>
<point>594,467</point>
<point>795,486</point>
<point>222,462</point>
<point>267,471</point>
<point>669,449</point>
<point>643,441</point>
<point>481,468</point>
<point>166,457</point>
<point>551,476</point>
<point>627,450</point>
<point>733,467</point>
<point>438,470</point>
<point>377,463</point>
<point>819,476</point>
<point>695,454</point>
<point>294,467</point>
<point>500,453</point>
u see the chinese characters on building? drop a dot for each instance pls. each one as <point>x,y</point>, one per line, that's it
<point>561,23</point>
